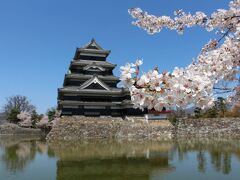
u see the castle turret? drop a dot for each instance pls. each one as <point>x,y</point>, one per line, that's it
<point>90,88</point>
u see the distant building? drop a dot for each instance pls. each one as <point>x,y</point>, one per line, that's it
<point>154,115</point>
<point>90,88</point>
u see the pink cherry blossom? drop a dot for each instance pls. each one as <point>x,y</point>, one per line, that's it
<point>219,60</point>
<point>43,122</point>
<point>25,119</point>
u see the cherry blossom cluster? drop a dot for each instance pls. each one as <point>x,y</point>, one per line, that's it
<point>43,122</point>
<point>25,119</point>
<point>193,84</point>
<point>221,19</point>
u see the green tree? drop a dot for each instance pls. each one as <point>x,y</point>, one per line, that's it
<point>221,106</point>
<point>12,115</point>
<point>15,105</point>
<point>35,117</point>
<point>51,113</point>
<point>211,112</point>
<point>198,112</point>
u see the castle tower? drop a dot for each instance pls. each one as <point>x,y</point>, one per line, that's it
<point>90,88</point>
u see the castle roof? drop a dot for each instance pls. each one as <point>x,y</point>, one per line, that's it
<point>97,63</point>
<point>92,47</point>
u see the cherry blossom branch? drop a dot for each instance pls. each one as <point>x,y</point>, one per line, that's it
<point>220,19</point>
<point>193,84</point>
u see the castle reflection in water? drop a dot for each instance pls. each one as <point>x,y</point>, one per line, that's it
<point>118,160</point>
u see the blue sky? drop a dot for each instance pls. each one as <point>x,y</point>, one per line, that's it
<point>38,40</point>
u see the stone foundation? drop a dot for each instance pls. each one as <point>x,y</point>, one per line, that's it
<point>13,129</point>
<point>135,128</point>
<point>211,127</point>
<point>80,128</point>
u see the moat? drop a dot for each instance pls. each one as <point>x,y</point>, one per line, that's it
<point>32,158</point>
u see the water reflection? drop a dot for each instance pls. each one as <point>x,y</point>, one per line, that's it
<point>19,151</point>
<point>112,160</point>
<point>120,160</point>
<point>220,152</point>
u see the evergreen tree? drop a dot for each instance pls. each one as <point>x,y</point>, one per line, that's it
<point>211,112</point>
<point>221,106</point>
<point>198,112</point>
<point>51,113</point>
<point>12,115</point>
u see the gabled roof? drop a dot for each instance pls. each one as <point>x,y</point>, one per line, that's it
<point>93,45</point>
<point>94,67</point>
<point>87,76</point>
<point>98,63</point>
<point>94,80</point>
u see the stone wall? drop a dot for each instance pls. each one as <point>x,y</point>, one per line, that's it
<point>212,127</point>
<point>134,128</point>
<point>72,128</point>
<point>13,129</point>
<point>2,118</point>
<point>82,128</point>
